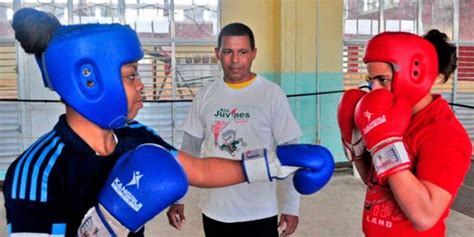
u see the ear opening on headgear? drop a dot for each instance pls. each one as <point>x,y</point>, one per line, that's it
<point>89,81</point>
<point>416,69</point>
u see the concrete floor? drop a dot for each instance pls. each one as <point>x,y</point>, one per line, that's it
<point>334,211</point>
<point>465,200</point>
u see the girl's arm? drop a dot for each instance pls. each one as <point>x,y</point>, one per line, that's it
<point>422,202</point>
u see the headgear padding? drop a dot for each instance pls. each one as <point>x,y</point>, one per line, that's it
<point>82,64</point>
<point>414,61</point>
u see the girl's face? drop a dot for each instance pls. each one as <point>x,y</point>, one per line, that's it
<point>133,86</point>
<point>380,75</point>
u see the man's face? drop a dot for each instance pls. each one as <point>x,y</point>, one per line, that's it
<point>236,57</point>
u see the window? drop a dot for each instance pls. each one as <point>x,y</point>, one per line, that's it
<point>178,39</point>
<point>370,5</point>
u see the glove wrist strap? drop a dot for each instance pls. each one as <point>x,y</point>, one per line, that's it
<point>103,220</point>
<point>390,158</point>
<point>354,151</point>
<point>255,165</point>
<point>111,222</point>
<point>99,222</point>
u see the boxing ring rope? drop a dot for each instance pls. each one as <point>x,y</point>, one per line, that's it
<point>182,101</point>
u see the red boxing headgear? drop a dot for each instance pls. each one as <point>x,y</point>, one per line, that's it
<point>414,61</point>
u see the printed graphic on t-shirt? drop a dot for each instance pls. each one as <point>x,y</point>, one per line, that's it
<point>232,114</point>
<point>230,142</point>
<point>227,139</point>
<point>380,207</point>
<point>217,127</point>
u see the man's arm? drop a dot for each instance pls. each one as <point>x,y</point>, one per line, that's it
<point>191,145</point>
<point>286,130</point>
<point>290,209</point>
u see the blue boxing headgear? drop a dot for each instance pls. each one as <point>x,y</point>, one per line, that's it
<point>82,63</point>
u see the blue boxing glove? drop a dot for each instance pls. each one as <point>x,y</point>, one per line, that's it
<point>313,165</point>
<point>142,183</point>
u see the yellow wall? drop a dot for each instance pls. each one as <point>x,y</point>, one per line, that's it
<point>330,35</point>
<point>259,16</point>
<point>291,35</point>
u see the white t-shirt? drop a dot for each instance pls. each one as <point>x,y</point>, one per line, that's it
<point>232,121</point>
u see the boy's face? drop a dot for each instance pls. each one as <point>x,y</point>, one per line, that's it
<point>133,87</point>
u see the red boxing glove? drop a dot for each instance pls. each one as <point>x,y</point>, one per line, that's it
<point>351,138</point>
<point>382,119</point>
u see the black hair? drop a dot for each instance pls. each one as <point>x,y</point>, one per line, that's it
<point>446,51</point>
<point>236,29</point>
<point>34,29</point>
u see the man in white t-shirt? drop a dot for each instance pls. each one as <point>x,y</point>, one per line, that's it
<point>242,112</point>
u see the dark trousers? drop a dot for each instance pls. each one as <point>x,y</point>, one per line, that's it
<point>258,228</point>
